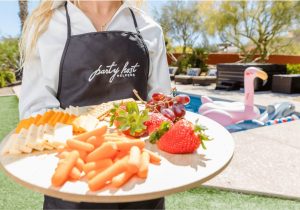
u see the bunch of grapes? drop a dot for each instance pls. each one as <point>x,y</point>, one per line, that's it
<point>171,107</point>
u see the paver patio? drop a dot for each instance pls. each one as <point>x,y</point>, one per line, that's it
<point>7,91</point>
<point>266,160</point>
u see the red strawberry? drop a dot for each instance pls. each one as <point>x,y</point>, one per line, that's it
<point>182,137</point>
<point>155,121</point>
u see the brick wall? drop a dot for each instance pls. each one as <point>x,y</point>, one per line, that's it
<point>216,58</point>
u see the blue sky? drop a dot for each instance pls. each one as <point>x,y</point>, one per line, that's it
<point>9,19</point>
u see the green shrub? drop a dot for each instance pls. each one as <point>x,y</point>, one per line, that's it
<point>9,60</point>
<point>293,68</point>
<point>197,59</point>
<point>5,77</point>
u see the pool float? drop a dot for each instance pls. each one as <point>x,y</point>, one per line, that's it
<point>228,113</point>
<point>276,111</point>
<point>282,120</point>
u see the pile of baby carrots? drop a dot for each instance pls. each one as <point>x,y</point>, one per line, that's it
<point>102,159</point>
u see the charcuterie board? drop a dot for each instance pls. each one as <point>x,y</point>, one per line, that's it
<point>175,173</point>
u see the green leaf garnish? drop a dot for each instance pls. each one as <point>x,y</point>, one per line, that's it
<point>200,132</point>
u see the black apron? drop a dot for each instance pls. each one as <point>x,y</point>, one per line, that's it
<point>99,67</point>
<point>102,66</point>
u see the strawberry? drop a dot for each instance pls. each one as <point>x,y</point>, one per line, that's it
<point>155,121</point>
<point>183,137</point>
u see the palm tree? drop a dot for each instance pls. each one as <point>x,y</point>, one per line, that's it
<point>23,6</point>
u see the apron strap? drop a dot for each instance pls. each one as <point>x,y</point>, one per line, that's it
<point>68,20</point>
<point>134,21</point>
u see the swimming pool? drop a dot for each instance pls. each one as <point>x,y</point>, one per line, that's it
<point>195,103</point>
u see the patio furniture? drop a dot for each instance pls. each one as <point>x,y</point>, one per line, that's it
<point>204,80</point>
<point>172,71</point>
<point>210,78</point>
<point>188,78</point>
<point>286,83</point>
<point>230,76</point>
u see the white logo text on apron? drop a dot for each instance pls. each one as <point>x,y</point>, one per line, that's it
<point>115,71</point>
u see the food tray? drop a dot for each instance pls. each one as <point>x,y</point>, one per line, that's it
<point>175,173</point>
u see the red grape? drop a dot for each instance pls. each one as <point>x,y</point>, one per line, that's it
<point>168,113</point>
<point>158,96</point>
<point>151,105</point>
<point>179,110</point>
<point>182,99</point>
<point>168,101</point>
<point>160,105</point>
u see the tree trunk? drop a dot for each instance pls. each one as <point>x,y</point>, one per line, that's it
<point>23,13</point>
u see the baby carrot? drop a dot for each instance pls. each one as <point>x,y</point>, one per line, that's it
<point>115,138</point>
<point>120,155</point>
<point>63,170</point>
<point>80,164</point>
<point>63,154</point>
<point>106,150</point>
<point>97,164</point>
<point>75,173</point>
<point>79,145</point>
<point>97,132</point>
<point>96,141</point>
<point>134,161</point>
<point>126,145</point>
<point>93,173</point>
<point>154,158</point>
<point>100,179</point>
<point>143,171</point>
<point>121,179</point>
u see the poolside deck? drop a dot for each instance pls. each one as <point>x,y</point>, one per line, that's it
<point>263,98</point>
<point>266,160</point>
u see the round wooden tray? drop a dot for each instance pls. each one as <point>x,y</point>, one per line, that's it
<point>175,173</point>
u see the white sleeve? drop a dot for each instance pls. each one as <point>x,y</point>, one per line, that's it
<point>159,77</point>
<point>35,96</point>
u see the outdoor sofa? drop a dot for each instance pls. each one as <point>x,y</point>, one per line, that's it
<point>188,78</point>
<point>210,78</point>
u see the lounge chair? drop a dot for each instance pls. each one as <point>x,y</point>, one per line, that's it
<point>210,78</point>
<point>188,78</point>
<point>172,71</point>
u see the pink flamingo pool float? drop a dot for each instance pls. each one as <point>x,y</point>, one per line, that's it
<point>228,113</point>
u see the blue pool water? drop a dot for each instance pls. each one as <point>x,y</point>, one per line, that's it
<point>195,103</point>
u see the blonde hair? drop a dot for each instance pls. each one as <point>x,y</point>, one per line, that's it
<point>36,24</point>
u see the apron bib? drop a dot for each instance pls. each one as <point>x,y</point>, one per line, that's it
<point>102,66</point>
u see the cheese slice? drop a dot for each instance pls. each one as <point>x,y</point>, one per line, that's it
<point>86,122</point>
<point>14,149</point>
<point>39,138</point>
<point>22,138</point>
<point>8,144</point>
<point>31,136</point>
<point>48,135</point>
<point>62,133</point>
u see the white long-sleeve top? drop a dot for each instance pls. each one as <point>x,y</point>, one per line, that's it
<point>41,72</point>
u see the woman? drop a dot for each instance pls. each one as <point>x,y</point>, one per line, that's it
<point>87,52</point>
